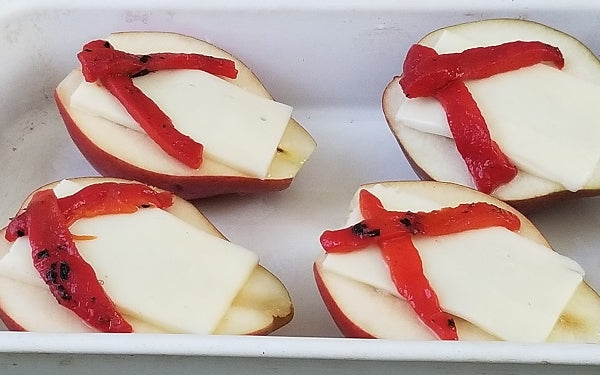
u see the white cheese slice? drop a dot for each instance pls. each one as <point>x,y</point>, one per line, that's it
<point>424,114</point>
<point>155,267</point>
<point>545,120</point>
<point>237,128</point>
<point>95,99</point>
<point>504,283</point>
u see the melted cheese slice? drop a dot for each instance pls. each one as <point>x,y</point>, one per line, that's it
<point>237,128</point>
<point>155,268</point>
<point>545,120</point>
<point>508,285</point>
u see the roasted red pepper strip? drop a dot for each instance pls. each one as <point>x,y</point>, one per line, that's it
<point>406,271</point>
<point>99,59</point>
<point>381,224</point>
<point>112,198</point>
<point>98,199</point>
<point>416,54</point>
<point>70,278</point>
<point>433,73</point>
<point>392,231</point>
<point>157,125</point>
<point>467,216</point>
<point>370,206</point>
<point>448,220</point>
<point>115,69</point>
<point>487,164</point>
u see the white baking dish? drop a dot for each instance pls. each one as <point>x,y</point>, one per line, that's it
<point>331,62</point>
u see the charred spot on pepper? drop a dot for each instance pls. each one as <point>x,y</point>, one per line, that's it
<point>145,205</point>
<point>141,73</point>
<point>106,44</point>
<point>51,276</point>
<point>362,230</point>
<point>451,323</point>
<point>144,58</point>
<point>411,223</point>
<point>64,270</point>
<point>20,233</point>
<point>63,293</point>
<point>43,254</point>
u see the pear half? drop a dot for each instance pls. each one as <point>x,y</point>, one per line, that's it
<point>434,157</point>
<point>261,306</point>
<point>363,311</point>
<point>118,151</point>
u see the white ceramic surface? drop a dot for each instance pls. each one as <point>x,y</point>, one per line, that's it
<point>331,61</point>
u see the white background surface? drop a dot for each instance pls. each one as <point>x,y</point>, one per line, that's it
<point>331,62</point>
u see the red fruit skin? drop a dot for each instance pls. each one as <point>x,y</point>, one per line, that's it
<point>187,187</point>
<point>345,325</point>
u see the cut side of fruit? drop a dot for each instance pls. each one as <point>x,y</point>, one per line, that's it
<point>364,303</point>
<point>519,111</point>
<point>258,303</point>
<point>266,163</point>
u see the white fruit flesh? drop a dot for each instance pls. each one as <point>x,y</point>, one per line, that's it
<point>229,302</point>
<point>289,146</point>
<point>377,310</point>
<point>539,175</point>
